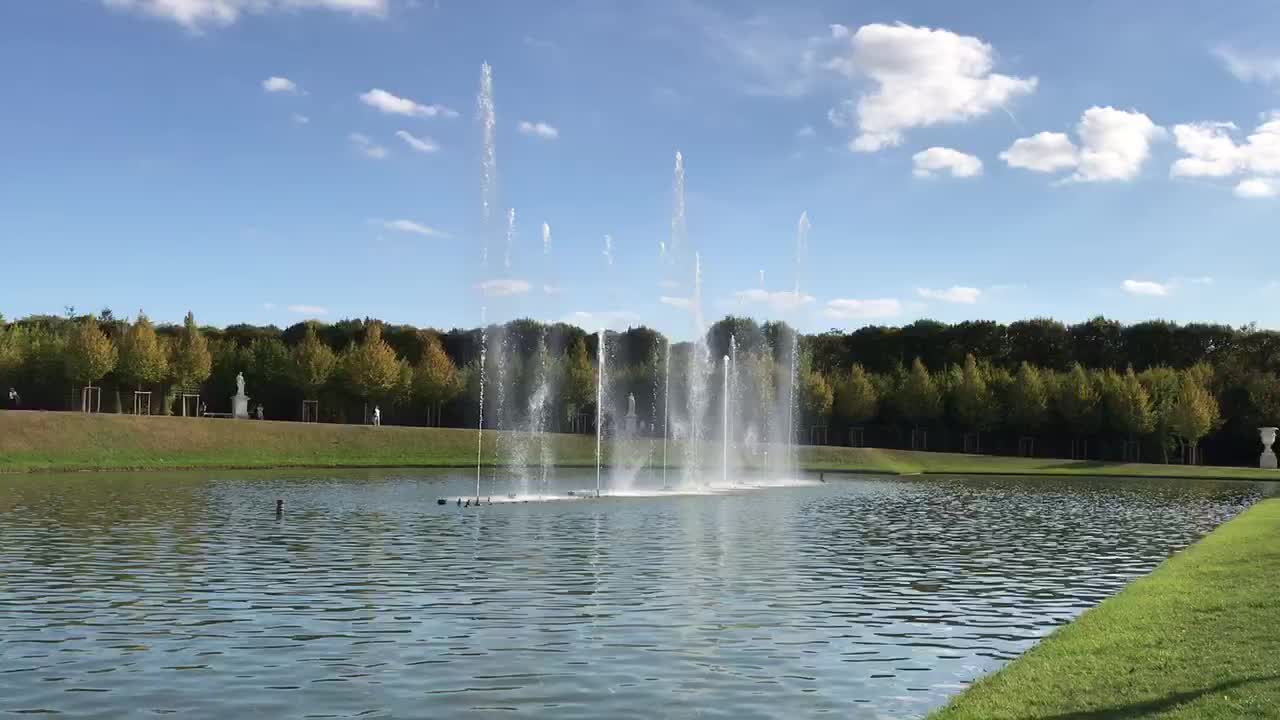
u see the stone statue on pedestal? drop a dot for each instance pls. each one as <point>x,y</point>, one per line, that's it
<point>240,401</point>
<point>1268,458</point>
<point>629,422</point>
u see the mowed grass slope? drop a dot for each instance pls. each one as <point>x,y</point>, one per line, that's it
<point>1198,638</point>
<point>31,441</point>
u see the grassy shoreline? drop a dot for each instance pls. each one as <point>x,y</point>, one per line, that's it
<point>1197,638</point>
<point>72,442</point>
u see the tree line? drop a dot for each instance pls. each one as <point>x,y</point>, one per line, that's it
<point>1096,389</point>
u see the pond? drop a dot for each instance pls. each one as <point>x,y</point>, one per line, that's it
<point>138,594</point>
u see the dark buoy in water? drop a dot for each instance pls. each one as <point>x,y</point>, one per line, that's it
<point>822,477</point>
<point>441,501</point>
<point>459,502</point>
<point>279,507</point>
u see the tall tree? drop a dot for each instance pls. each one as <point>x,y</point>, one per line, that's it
<point>313,363</point>
<point>143,358</point>
<point>1162,385</point>
<point>1195,412</point>
<point>192,362</point>
<point>436,380</point>
<point>90,353</point>
<point>1078,401</point>
<point>816,397</point>
<point>918,398</point>
<point>579,388</point>
<point>1028,400</point>
<point>856,398</point>
<point>1127,404</point>
<point>972,399</point>
<point>372,368</point>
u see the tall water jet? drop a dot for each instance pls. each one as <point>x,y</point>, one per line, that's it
<point>489,156</point>
<point>699,360</point>
<point>679,230</point>
<point>666,411</point>
<point>724,422</point>
<point>488,192</point>
<point>511,238</point>
<point>802,238</point>
<point>599,405</point>
<point>480,424</point>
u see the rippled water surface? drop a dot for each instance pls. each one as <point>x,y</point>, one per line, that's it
<point>137,595</point>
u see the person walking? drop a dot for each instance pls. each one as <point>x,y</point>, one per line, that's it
<point>377,416</point>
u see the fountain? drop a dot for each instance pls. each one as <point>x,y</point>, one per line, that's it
<point>480,424</point>
<point>599,405</point>
<point>666,411</point>
<point>724,422</point>
<point>522,399</point>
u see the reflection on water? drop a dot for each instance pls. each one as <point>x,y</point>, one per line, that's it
<point>136,595</point>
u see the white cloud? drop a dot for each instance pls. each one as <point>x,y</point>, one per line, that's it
<point>552,289</point>
<point>676,302</point>
<point>1202,280</point>
<point>308,310</point>
<point>954,294</point>
<point>421,144</point>
<point>1146,287</point>
<point>847,309</point>
<point>923,77</point>
<point>608,319</point>
<point>1256,188</point>
<point>366,145</point>
<point>1211,151</point>
<point>1250,67</point>
<point>277,84</point>
<point>538,129</point>
<point>779,301</point>
<point>806,132</point>
<point>300,119</point>
<point>268,306</point>
<point>1114,144</point>
<point>945,160</point>
<point>384,101</point>
<point>411,227</point>
<point>502,287</point>
<point>195,15</point>
<point>1043,152</point>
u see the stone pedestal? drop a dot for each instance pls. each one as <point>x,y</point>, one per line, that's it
<point>1268,458</point>
<point>629,425</point>
<point>240,407</point>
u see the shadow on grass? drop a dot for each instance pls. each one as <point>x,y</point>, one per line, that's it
<point>1149,708</point>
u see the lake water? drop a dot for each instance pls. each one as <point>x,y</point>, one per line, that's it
<point>138,595</point>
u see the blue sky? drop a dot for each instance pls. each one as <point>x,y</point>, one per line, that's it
<point>271,160</point>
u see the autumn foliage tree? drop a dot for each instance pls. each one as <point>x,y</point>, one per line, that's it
<point>436,379</point>
<point>90,354</point>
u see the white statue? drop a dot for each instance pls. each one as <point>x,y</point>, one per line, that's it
<point>1268,458</point>
<point>377,415</point>
<point>631,405</point>
<point>239,401</point>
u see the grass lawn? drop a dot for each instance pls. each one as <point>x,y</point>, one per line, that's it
<point>1198,638</point>
<point>63,441</point>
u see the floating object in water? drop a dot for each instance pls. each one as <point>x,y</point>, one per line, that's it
<point>441,501</point>
<point>279,507</point>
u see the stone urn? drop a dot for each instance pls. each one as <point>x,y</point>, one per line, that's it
<point>1268,458</point>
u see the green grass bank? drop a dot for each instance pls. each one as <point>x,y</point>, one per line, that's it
<point>48,441</point>
<point>1198,638</point>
